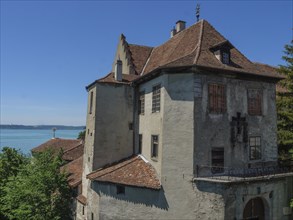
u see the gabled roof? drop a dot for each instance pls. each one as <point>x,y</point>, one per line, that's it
<point>194,47</point>
<point>74,169</point>
<point>134,171</point>
<point>139,55</point>
<point>72,148</point>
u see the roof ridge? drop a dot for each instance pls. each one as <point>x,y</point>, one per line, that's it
<point>199,43</point>
<point>178,58</point>
<point>146,63</point>
<point>131,159</point>
<point>80,143</point>
<point>228,41</point>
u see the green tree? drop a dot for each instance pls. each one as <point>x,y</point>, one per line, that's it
<point>81,135</point>
<point>285,108</point>
<point>11,161</point>
<point>38,191</point>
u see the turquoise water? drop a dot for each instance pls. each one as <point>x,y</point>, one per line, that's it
<point>25,140</point>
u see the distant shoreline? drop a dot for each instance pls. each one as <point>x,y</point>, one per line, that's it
<point>42,127</point>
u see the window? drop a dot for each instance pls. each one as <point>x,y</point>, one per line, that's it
<point>130,126</point>
<point>140,143</point>
<point>217,98</point>
<point>141,103</point>
<point>254,148</point>
<point>120,189</point>
<point>254,102</point>
<point>91,102</point>
<point>217,160</point>
<point>155,146</point>
<point>225,57</point>
<point>156,98</point>
<point>83,210</point>
<point>92,216</point>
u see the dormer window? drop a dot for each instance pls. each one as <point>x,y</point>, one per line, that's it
<point>225,57</point>
<point>222,52</point>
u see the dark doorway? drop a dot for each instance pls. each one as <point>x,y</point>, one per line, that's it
<point>254,210</point>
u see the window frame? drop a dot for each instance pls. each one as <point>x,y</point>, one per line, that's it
<point>91,102</point>
<point>217,98</point>
<point>120,190</point>
<point>255,104</point>
<point>256,147</point>
<point>225,59</point>
<point>154,147</point>
<point>217,169</point>
<point>140,138</point>
<point>141,103</point>
<point>156,98</point>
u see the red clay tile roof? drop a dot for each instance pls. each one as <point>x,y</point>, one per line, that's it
<point>82,199</point>
<point>181,45</point>
<point>193,46</point>
<point>74,169</point>
<point>134,171</point>
<point>126,79</point>
<point>74,152</point>
<point>139,55</point>
<point>72,148</point>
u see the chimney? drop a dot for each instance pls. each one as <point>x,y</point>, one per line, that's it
<point>180,26</point>
<point>173,32</point>
<point>118,70</point>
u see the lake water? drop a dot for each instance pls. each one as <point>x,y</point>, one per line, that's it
<point>25,140</point>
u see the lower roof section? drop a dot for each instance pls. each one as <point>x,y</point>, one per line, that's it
<point>134,171</point>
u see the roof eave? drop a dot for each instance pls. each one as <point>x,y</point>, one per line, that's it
<point>129,185</point>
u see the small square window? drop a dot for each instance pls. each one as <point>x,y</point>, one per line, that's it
<point>120,189</point>
<point>155,146</point>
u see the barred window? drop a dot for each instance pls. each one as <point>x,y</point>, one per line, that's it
<point>217,98</point>
<point>254,101</point>
<point>217,160</point>
<point>155,146</point>
<point>141,103</point>
<point>156,99</point>
<point>254,148</point>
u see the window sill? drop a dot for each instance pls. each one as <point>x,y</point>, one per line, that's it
<point>154,159</point>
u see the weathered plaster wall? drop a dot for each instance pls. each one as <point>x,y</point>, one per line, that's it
<point>89,139</point>
<point>213,130</point>
<point>138,203</point>
<point>114,113</point>
<point>275,195</point>
<point>124,56</point>
<point>151,123</point>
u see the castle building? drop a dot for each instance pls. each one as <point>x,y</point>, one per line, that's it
<point>185,130</point>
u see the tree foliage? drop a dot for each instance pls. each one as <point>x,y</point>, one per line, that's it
<point>38,191</point>
<point>285,108</point>
<point>81,135</point>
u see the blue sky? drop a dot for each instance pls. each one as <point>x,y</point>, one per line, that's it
<point>50,50</point>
